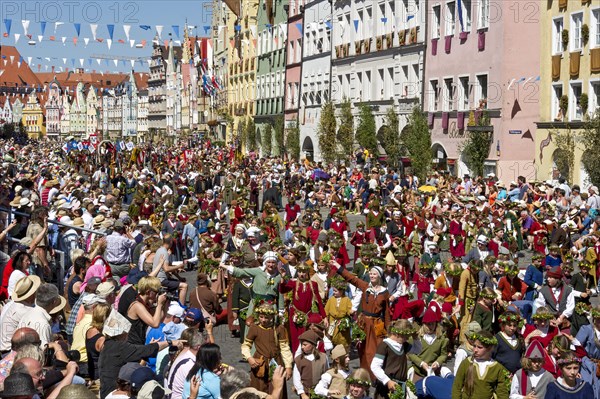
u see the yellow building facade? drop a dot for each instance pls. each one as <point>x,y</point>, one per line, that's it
<point>242,64</point>
<point>569,84</point>
<point>33,117</point>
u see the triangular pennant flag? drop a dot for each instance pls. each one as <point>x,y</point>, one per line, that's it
<point>12,59</point>
<point>43,27</point>
<point>17,37</point>
<point>299,26</point>
<point>328,24</point>
<point>25,23</point>
<point>121,41</point>
<point>176,30</point>
<point>77,26</point>
<point>73,61</point>
<point>75,38</point>
<point>100,40</point>
<point>98,61</point>
<point>56,25</point>
<point>126,29</point>
<point>131,43</point>
<point>384,20</point>
<point>109,43</point>
<point>356,25</point>
<point>64,61</point>
<point>40,37</point>
<point>144,42</point>
<point>116,62</point>
<point>89,61</point>
<point>111,30</point>
<point>52,38</point>
<point>94,29</point>
<point>159,29</point>
<point>86,40</point>
<point>81,61</point>
<point>132,63</point>
<point>64,39</point>
<point>29,60</point>
<point>207,28</point>
<point>7,25</point>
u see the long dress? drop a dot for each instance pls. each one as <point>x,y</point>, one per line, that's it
<point>305,299</point>
<point>374,311</point>
<point>337,309</point>
<point>589,351</point>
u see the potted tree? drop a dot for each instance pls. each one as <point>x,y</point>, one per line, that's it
<point>564,105</point>
<point>565,38</point>
<point>583,103</point>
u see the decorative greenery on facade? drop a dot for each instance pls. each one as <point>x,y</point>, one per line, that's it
<point>292,142</point>
<point>345,132</point>
<point>591,140</point>
<point>327,132</point>
<point>278,127</point>
<point>417,140</point>
<point>267,141</point>
<point>366,129</point>
<point>564,156</point>
<point>250,135</point>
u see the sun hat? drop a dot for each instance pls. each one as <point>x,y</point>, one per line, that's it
<point>152,390</point>
<point>76,391</point>
<point>18,384</point>
<point>105,289</point>
<point>26,287</point>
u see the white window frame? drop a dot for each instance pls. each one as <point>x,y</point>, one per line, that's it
<point>593,96</point>
<point>483,14</point>
<point>463,93</point>
<point>575,31</point>
<point>478,95</point>
<point>595,28</point>
<point>433,94</point>
<point>557,46</point>
<point>450,18</point>
<point>555,99</point>
<point>448,100</point>
<point>436,16</point>
<point>467,11</point>
<point>574,115</point>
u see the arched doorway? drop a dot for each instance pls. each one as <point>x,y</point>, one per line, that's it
<point>440,157</point>
<point>308,150</point>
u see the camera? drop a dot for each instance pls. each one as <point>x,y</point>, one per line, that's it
<point>171,296</point>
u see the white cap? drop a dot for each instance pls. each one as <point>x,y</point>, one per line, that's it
<point>482,239</point>
<point>175,310</point>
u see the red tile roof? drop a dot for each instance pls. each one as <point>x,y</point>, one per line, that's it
<point>14,75</point>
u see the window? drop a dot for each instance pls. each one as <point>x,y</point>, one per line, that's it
<point>484,13</point>
<point>574,105</point>
<point>557,28</point>
<point>594,97</point>
<point>595,28</point>
<point>450,18</point>
<point>381,84</point>
<point>367,86</point>
<point>448,94</point>
<point>358,86</point>
<point>389,83</point>
<point>463,93</point>
<point>480,100</point>
<point>576,40</point>
<point>435,26</point>
<point>466,15</point>
<point>433,95</point>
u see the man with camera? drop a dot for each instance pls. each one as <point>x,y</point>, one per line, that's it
<point>119,246</point>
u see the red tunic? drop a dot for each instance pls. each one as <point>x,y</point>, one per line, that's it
<point>313,234</point>
<point>457,245</point>
<point>409,225</point>
<point>423,284</point>
<point>340,228</point>
<point>303,297</point>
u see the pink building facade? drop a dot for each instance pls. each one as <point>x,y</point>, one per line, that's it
<point>482,64</point>
<point>294,62</point>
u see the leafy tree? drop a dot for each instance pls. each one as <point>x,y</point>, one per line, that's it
<point>365,132</point>
<point>241,131</point>
<point>345,132</point>
<point>250,135</point>
<point>417,139</point>
<point>476,150</point>
<point>591,141</point>
<point>267,140</point>
<point>279,125</point>
<point>390,140</point>
<point>327,132</point>
<point>292,141</point>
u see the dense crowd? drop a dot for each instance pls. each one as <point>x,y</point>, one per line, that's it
<point>443,288</point>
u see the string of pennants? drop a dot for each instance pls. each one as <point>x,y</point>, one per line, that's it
<point>92,144</point>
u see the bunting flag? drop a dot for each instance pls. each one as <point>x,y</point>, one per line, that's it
<point>176,30</point>
<point>121,41</point>
<point>159,29</point>
<point>98,61</point>
<point>86,40</point>
<point>25,23</point>
<point>40,37</point>
<point>56,25</point>
<point>52,38</point>
<point>43,27</point>
<point>132,63</point>
<point>100,40</point>
<point>384,20</point>
<point>253,29</point>
<point>75,38</point>
<point>81,61</point>
<point>206,29</point>
<point>299,26</point>
<point>109,43</point>
<point>144,42</point>
<point>116,62</point>
<point>145,27</point>
<point>12,59</point>
<point>7,25</point>
<point>356,25</point>
<point>64,39</point>
<point>131,43</point>
<point>94,29</point>
<point>328,24</point>
<point>126,29</point>
<point>17,37</point>
<point>64,61</point>
<point>77,28</point>
<point>111,30</point>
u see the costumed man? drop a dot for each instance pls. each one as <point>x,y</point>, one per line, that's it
<point>468,293</point>
<point>359,237</point>
<point>340,226</point>
<point>558,297</point>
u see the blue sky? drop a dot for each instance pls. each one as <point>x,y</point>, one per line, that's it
<point>103,13</point>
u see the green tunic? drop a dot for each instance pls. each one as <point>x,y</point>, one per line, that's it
<point>483,316</point>
<point>495,381</point>
<point>436,352</point>
<point>264,286</point>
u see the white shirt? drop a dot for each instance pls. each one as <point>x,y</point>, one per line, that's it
<point>12,313</point>
<point>322,388</point>
<point>570,306</point>
<point>461,355</point>
<point>15,276</point>
<point>377,363</point>
<point>181,374</point>
<point>38,319</point>
<point>515,388</point>
<point>297,378</point>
